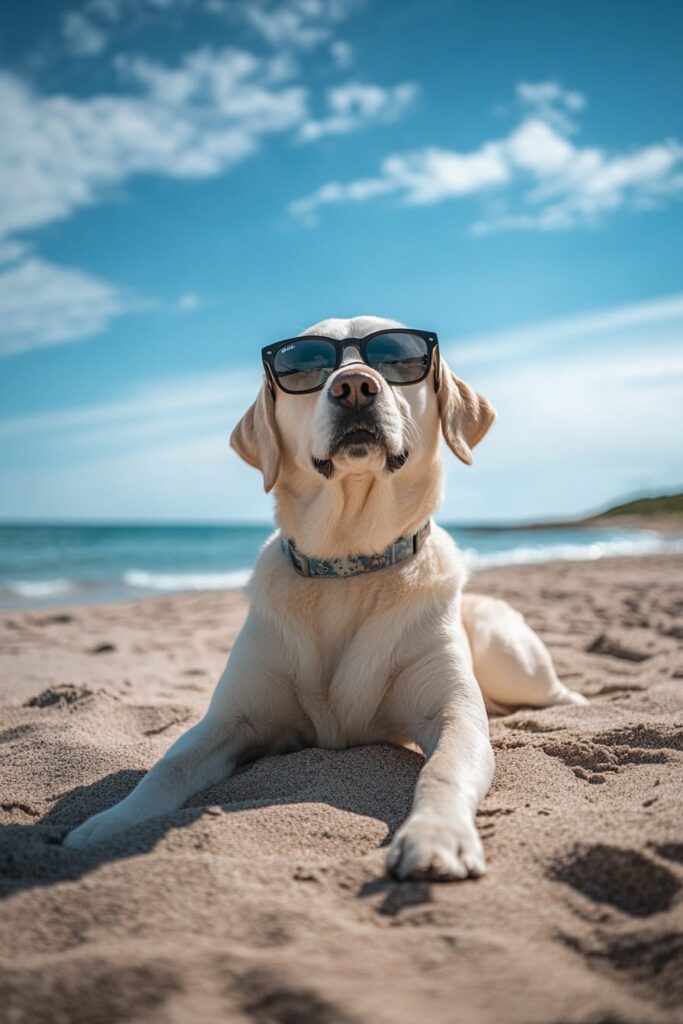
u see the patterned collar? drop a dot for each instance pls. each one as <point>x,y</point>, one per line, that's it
<point>355,565</point>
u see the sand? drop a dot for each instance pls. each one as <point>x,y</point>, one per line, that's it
<point>264,901</point>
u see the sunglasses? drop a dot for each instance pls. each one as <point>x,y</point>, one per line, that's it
<point>302,365</point>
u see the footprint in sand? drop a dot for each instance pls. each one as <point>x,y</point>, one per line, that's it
<point>621,878</point>
<point>669,851</point>
<point>59,696</point>
<point>604,644</point>
<point>270,999</point>
<point>612,750</point>
<point>649,961</point>
<point>88,989</point>
<point>105,648</point>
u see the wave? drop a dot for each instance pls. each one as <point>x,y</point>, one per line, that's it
<point>170,581</point>
<point>649,544</point>
<point>133,579</point>
<point>38,588</point>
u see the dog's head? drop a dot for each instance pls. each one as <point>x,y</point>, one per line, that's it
<point>358,423</point>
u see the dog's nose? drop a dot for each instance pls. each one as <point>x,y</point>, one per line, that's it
<point>354,389</point>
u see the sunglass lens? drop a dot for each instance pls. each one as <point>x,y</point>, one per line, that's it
<point>304,365</point>
<point>400,358</point>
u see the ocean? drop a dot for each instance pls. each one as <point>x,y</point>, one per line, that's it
<point>43,566</point>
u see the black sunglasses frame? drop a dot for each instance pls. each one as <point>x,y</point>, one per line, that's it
<point>341,344</point>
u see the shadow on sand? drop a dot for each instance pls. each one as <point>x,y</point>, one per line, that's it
<point>373,781</point>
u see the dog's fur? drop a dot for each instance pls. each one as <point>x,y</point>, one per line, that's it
<point>398,655</point>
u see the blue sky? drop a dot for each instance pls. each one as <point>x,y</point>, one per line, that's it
<point>181,182</point>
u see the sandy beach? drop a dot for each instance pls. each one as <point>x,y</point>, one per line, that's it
<point>265,901</point>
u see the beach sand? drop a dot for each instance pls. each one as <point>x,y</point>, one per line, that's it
<point>264,900</point>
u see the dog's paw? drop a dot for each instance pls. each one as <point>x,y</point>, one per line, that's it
<point>573,697</point>
<point>435,849</point>
<point>101,828</point>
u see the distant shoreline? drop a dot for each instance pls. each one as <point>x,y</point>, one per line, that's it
<point>662,524</point>
<point>663,513</point>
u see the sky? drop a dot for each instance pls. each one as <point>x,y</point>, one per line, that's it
<point>184,181</point>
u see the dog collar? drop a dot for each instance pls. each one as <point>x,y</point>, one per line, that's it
<point>356,565</point>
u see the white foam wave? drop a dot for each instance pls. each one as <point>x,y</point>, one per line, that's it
<point>38,588</point>
<point>647,544</point>
<point>171,581</point>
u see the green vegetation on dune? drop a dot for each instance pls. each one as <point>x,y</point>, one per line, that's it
<point>664,505</point>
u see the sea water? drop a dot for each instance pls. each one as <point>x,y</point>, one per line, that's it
<point>51,564</point>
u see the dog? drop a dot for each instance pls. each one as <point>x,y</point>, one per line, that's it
<point>358,629</point>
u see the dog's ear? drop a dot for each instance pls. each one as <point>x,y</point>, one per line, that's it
<point>465,415</point>
<point>256,438</point>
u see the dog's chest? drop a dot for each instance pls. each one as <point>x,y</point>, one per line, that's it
<point>342,669</point>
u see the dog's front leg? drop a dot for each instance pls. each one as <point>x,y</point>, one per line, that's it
<point>198,759</point>
<point>439,839</point>
<point>252,706</point>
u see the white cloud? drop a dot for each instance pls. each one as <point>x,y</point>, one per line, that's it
<point>552,103</point>
<point>11,250</point>
<point>108,10</point>
<point>296,24</point>
<point>191,121</point>
<point>355,105</point>
<point>285,27</point>
<point>188,301</point>
<point>42,304</point>
<point>547,181</point>
<point>427,176</point>
<point>342,53</point>
<point>82,37</point>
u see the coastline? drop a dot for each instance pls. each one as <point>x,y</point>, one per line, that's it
<point>267,892</point>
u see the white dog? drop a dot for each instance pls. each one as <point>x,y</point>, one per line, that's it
<point>347,434</point>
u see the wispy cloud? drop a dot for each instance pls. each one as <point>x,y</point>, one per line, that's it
<point>181,403</point>
<point>193,120</point>
<point>82,37</point>
<point>42,304</point>
<point>355,105</point>
<point>552,103</point>
<point>544,338</point>
<point>12,250</point>
<point>541,178</point>
<point>574,433</point>
<point>296,24</point>
<point>427,176</point>
<point>588,409</point>
<point>161,447</point>
<point>341,52</point>
<point>188,302</point>
<point>165,442</point>
<point>282,25</point>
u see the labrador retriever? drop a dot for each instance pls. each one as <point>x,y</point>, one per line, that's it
<point>358,630</point>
